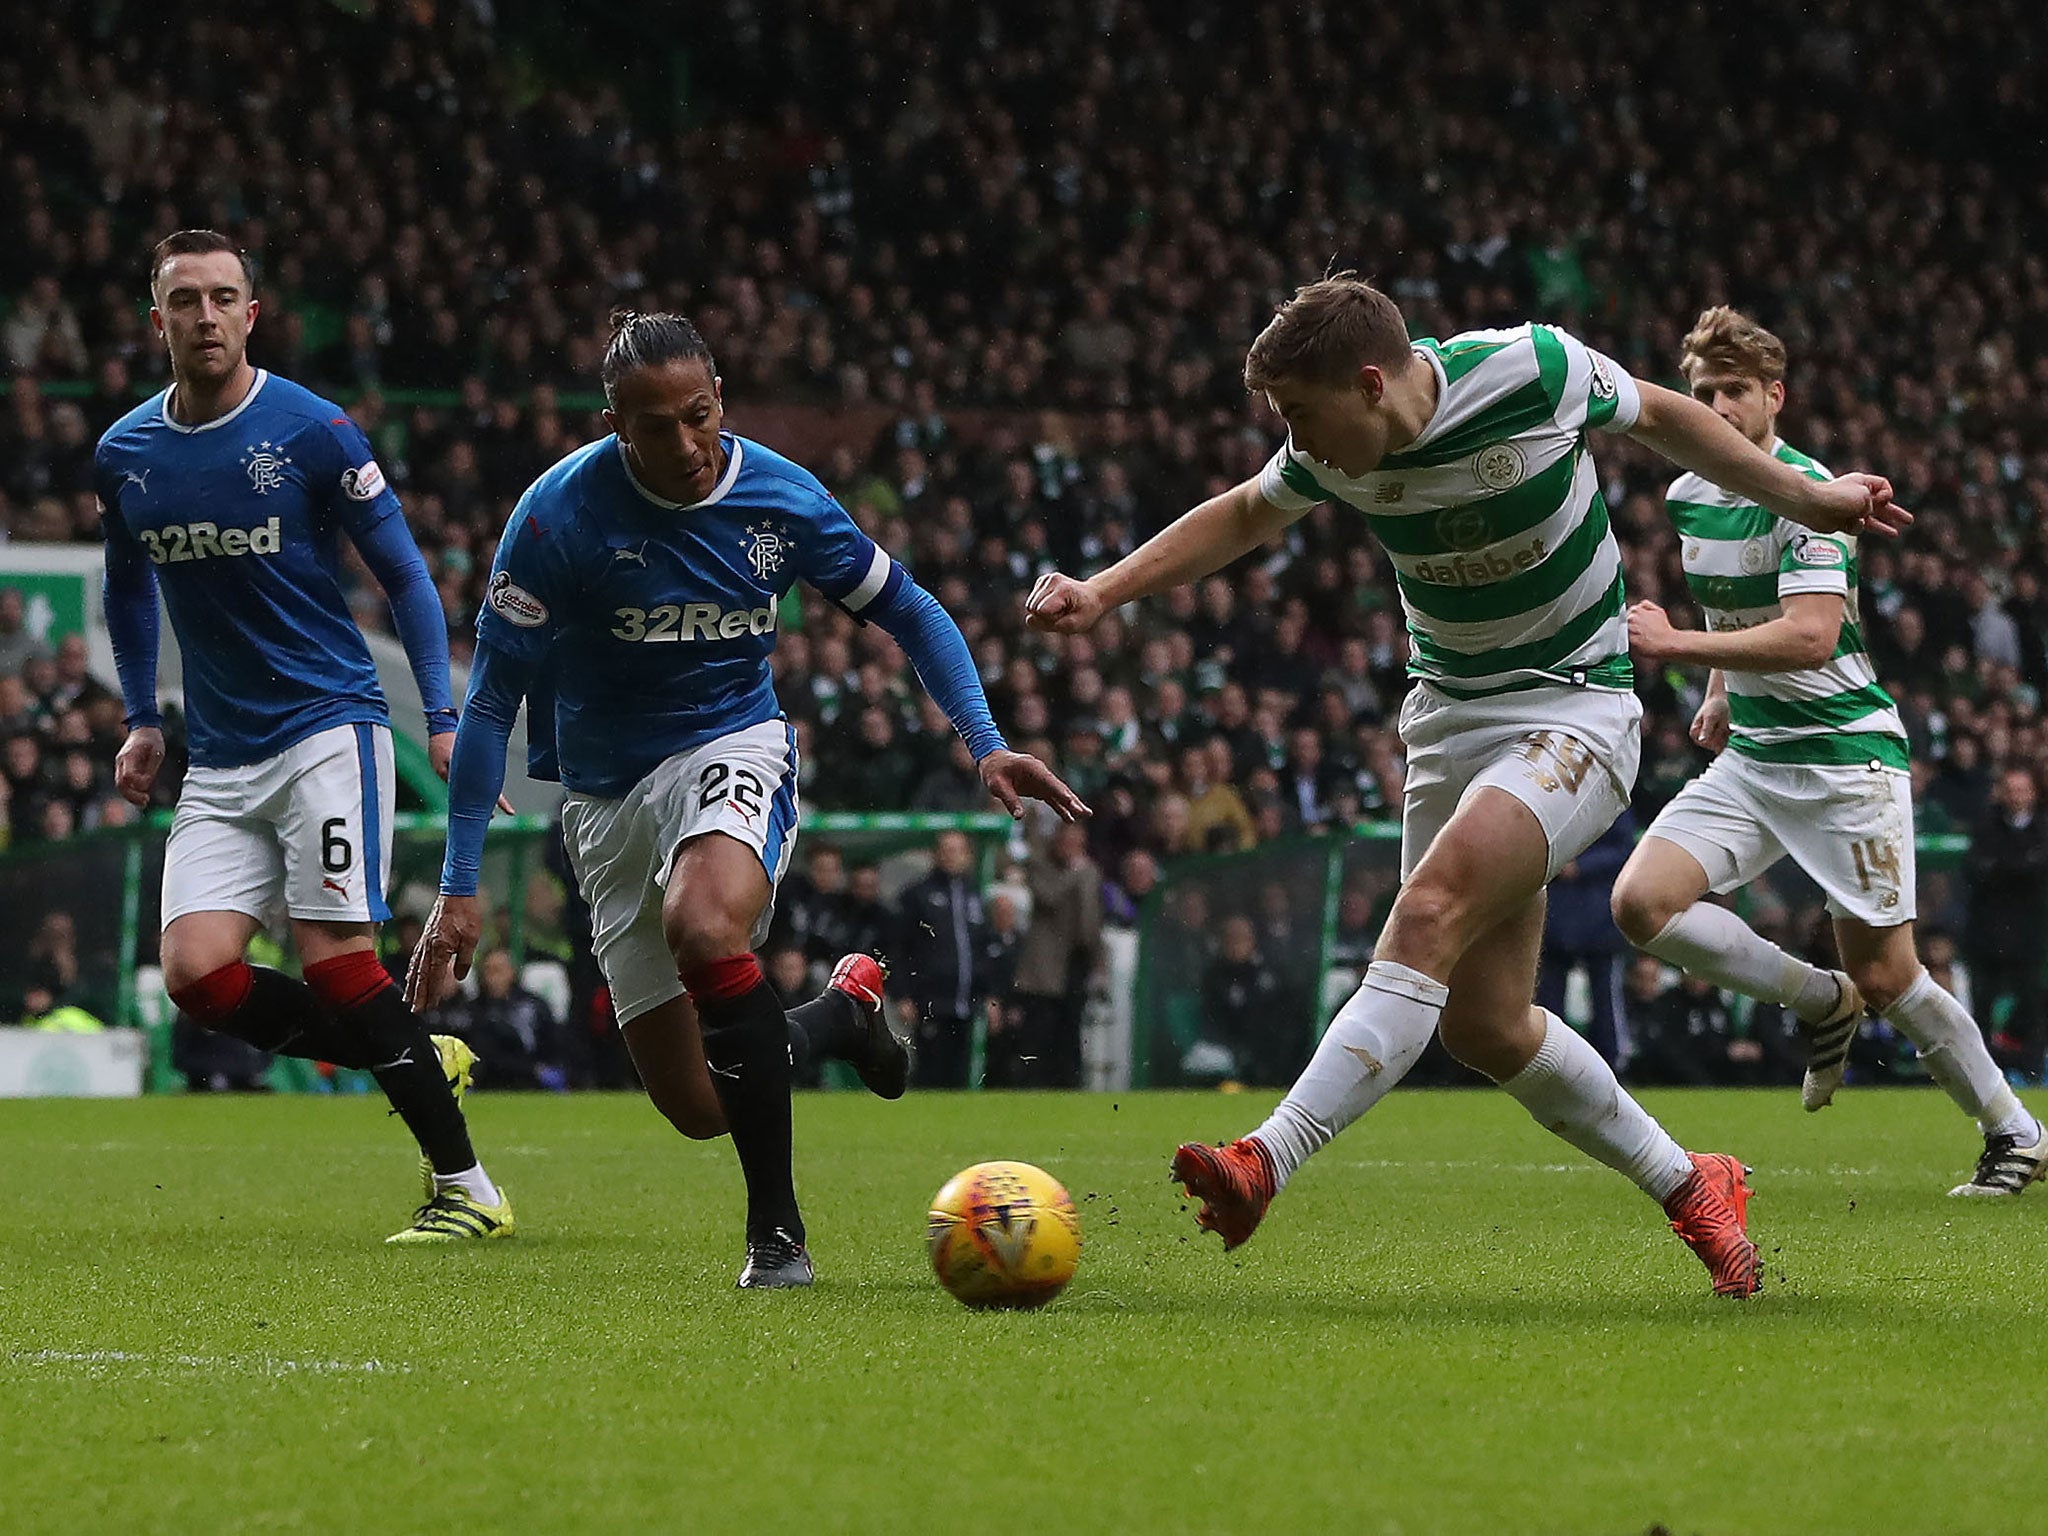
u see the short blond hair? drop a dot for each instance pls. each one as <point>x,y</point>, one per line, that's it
<point>1727,341</point>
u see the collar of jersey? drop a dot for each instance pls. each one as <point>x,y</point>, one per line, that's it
<point>262,378</point>
<point>1436,417</point>
<point>733,451</point>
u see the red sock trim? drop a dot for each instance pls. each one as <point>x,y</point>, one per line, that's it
<point>348,981</point>
<point>218,993</point>
<point>719,980</point>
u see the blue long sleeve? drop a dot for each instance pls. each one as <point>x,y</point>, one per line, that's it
<point>128,589</point>
<point>498,680</point>
<point>913,618</point>
<point>394,559</point>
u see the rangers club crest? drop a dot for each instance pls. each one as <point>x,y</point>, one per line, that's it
<point>266,464</point>
<point>766,550</point>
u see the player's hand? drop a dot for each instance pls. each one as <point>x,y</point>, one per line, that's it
<point>1060,605</point>
<point>1710,725</point>
<point>1858,503</point>
<point>445,951</point>
<point>441,752</point>
<point>137,763</point>
<point>1014,777</point>
<point>1650,631</point>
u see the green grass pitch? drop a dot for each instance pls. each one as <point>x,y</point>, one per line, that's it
<point>1451,1323</point>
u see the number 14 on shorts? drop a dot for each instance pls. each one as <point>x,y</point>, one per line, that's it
<point>1876,859</point>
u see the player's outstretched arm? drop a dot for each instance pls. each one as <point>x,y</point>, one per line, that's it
<point>498,680</point>
<point>1691,436</point>
<point>1199,542</point>
<point>915,620</point>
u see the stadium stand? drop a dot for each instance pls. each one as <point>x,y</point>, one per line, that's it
<point>1006,318</point>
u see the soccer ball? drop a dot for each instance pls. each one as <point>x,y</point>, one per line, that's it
<point>1003,1235</point>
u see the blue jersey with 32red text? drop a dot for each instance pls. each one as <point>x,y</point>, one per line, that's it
<point>238,520</point>
<point>654,620</point>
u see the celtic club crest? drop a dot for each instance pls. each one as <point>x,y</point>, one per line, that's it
<point>265,463</point>
<point>1500,467</point>
<point>766,550</point>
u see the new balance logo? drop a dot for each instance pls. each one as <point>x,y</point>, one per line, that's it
<point>176,543</point>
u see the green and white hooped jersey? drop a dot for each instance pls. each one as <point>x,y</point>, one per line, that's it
<point>1740,560</point>
<point>1493,518</point>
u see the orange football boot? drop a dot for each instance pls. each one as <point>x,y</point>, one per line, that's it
<point>1234,1182</point>
<point>1710,1211</point>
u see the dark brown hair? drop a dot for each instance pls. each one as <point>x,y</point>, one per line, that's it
<point>1728,341</point>
<point>648,341</point>
<point>1326,333</point>
<point>196,242</point>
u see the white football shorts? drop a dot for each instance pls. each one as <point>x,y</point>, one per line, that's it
<point>307,832</point>
<point>1850,828</point>
<point>1569,754</point>
<point>742,784</point>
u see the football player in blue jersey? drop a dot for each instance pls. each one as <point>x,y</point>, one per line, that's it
<point>641,578</point>
<point>230,492</point>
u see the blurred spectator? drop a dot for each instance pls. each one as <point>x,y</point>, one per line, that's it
<point>811,909</point>
<point>1123,899</point>
<point>1683,1033</point>
<point>938,955</point>
<point>2008,922</point>
<point>1055,961</point>
<point>43,332</point>
<point>45,1010</point>
<point>1245,1033</point>
<point>17,645</point>
<point>53,955</point>
<point>1217,821</point>
<point>516,1038</point>
<point>870,925</point>
<point>1578,930</point>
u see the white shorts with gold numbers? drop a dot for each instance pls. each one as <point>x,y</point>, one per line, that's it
<point>1569,754</point>
<point>1850,828</point>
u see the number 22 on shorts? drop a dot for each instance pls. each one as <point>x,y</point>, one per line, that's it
<point>742,786</point>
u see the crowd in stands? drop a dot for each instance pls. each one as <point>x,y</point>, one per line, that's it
<point>1029,244</point>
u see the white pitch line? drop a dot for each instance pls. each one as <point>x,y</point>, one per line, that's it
<point>104,1361</point>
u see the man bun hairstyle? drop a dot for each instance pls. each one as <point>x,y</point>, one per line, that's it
<point>649,341</point>
<point>197,242</point>
<point>1327,332</point>
<point>1725,340</point>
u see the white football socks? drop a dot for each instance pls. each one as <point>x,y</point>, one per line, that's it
<point>1574,1093</point>
<point>1375,1038</point>
<point>1953,1048</point>
<point>473,1181</point>
<point>1712,942</point>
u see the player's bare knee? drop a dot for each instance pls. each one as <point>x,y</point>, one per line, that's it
<point>1884,979</point>
<point>1484,1045</point>
<point>192,961</point>
<point>1641,911</point>
<point>1428,927</point>
<point>699,931</point>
